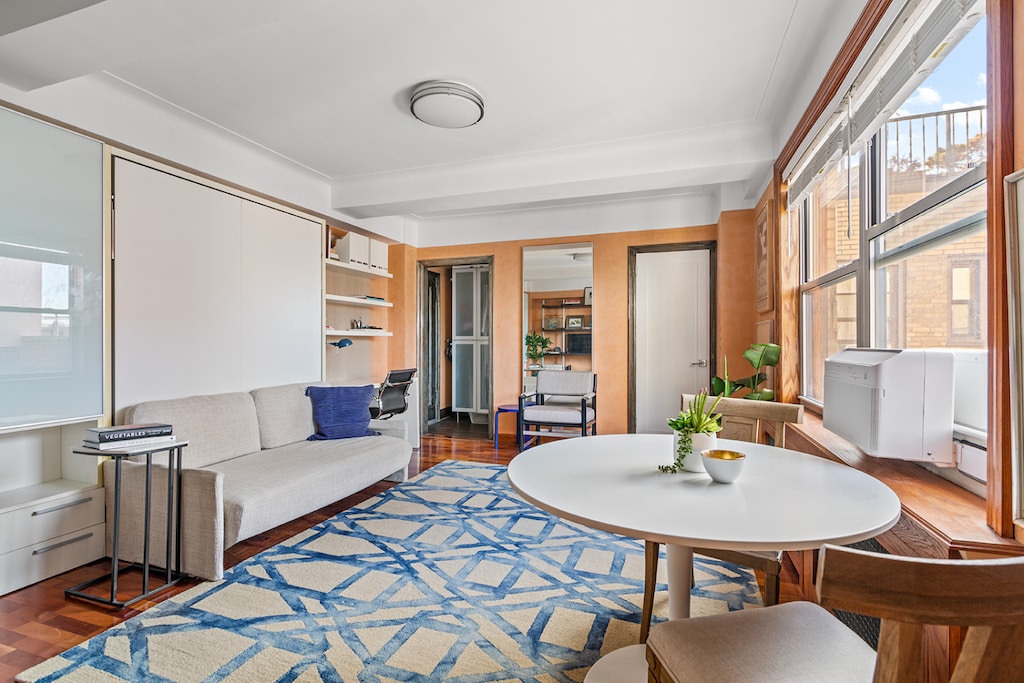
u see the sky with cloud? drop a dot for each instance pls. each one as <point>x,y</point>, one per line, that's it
<point>959,81</point>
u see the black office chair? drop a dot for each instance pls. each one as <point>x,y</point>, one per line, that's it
<point>392,397</point>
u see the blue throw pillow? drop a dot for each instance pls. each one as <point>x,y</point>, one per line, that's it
<point>341,412</point>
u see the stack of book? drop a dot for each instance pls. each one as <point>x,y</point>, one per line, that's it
<point>128,436</point>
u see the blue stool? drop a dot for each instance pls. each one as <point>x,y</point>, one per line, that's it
<point>503,408</point>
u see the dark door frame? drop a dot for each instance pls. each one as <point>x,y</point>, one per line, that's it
<point>422,303</point>
<point>431,361</point>
<point>709,246</point>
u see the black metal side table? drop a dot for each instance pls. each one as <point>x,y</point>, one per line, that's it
<point>173,449</point>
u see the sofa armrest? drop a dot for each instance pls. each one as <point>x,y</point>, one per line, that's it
<point>396,428</point>
<point>202,517</point>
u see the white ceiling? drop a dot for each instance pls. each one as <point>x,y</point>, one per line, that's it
<point>586,100</point>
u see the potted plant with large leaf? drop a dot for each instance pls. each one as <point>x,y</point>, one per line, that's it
<point>536,343</point>
<point>760,356</point>
<point>694,431</point>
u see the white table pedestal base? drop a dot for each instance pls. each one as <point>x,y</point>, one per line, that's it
<point>629,664</point>
<point>680,579</point>
<point>625,665</point>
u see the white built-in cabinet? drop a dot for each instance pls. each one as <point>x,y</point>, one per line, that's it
<point>51,513</point>
<point>52,283</point>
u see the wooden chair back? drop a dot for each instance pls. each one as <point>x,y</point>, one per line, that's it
<point>744,420</point>
<point>986,596</point>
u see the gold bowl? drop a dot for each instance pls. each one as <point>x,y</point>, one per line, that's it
<point>723,466</point>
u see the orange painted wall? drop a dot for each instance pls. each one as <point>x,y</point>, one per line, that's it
<point>734,317</point>
<point>737,307</point>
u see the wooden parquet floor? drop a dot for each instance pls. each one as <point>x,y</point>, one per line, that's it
<point>38,622</point>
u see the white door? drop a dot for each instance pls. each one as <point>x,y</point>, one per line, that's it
<point>673,338</point>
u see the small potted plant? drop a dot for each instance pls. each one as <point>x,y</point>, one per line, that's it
<point>695,430</point>
<point>536,343</point>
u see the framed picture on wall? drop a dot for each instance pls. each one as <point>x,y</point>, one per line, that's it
<point>588,296</point>
<point>574,322</point>
<point>764,260</point>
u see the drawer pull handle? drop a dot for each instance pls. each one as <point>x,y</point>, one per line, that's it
<point>76,539</point>
<point>63,506</point>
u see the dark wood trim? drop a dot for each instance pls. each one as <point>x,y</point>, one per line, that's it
<point>712,249</point>
<point>1001,113</point>
<point>787,295</point>
<point>854,44</point>
<point>421,309</point>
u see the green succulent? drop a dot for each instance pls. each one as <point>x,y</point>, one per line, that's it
<point>698,418</point>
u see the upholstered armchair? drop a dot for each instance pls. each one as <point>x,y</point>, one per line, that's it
<point>564,404</point>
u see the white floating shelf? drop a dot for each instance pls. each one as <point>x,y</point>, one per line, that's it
<point>356,268</point>
<point>356,301</point>
<point>357,333</point>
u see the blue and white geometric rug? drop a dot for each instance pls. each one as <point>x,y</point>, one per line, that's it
<point>447,577</point>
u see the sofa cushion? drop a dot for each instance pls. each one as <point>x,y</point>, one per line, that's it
<point>341,412</point>
<point>217,426</point>
<point>264,489</point>
<point>285,414</point>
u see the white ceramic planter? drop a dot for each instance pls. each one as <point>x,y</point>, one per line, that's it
<point>693,461</point>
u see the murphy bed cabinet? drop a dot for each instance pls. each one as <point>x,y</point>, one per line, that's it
<point>355,307</point>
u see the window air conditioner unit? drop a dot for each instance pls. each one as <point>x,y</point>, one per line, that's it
<point>893,403</point>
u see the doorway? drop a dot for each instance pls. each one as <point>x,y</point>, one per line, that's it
<point>672,330</point>
<point>445,351</point>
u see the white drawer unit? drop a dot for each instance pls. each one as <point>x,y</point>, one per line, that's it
<point>47,529</point>
<point>42,560</point>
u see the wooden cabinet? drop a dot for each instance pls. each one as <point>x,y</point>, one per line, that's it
<point>355,307</point>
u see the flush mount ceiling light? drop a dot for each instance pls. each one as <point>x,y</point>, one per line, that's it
<point>446,104</point>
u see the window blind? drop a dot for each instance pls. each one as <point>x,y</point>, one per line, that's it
<point>922,35</point>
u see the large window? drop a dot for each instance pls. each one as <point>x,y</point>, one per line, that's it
<point>890,198</point>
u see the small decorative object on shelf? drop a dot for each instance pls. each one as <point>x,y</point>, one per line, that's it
<point>570,302</point>
<point>695,430</point>
<point>341,343</point>
<point>552,322</point>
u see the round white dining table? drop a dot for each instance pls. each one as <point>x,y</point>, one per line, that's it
<point>783,500</point>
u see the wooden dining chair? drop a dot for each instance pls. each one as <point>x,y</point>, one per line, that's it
<point>802,641</point>
<point>742,420</point>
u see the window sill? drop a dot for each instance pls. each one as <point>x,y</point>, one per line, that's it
<point>940,519</point>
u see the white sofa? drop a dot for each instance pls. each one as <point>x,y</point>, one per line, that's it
<point>248,467</point>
